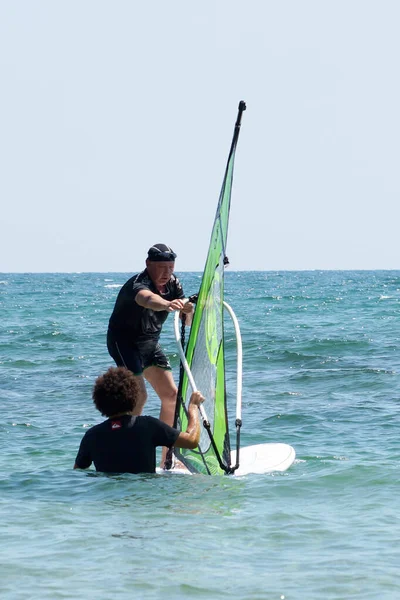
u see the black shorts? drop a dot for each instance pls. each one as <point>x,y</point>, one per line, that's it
<point>137,356</point>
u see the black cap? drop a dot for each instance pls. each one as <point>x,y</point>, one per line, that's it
<point>161,253</point>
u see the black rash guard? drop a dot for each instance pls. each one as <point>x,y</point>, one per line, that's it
<point>125,444</point>
<point>134,323</point>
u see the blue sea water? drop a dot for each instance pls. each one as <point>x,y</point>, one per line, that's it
<point>321,372</point>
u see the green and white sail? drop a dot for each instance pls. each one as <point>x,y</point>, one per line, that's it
<point>205,349</point>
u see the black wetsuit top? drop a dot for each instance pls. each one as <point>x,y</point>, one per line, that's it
<point>132,322</point>
<point>125,444</point>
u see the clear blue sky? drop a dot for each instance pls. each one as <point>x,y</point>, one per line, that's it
<point>117,117</point>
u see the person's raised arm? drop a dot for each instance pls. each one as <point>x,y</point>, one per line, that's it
<point>191,437</point>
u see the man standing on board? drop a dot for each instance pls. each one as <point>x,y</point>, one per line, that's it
<point>141,308</point>
<point>126,443</point>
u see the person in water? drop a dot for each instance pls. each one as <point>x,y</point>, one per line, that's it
<point>126,442</point>
<point>142,306</point>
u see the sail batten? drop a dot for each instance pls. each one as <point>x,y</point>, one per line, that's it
<point>205,349</point>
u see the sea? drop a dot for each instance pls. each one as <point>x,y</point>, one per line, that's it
<point>321,365</point>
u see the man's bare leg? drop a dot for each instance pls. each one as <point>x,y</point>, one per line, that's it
<point>164,385</point>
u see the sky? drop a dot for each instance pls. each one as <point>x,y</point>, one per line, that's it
<point>116,118</point>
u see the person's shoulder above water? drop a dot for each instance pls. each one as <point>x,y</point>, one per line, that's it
<point>115,395</point>
<point>111,424</point>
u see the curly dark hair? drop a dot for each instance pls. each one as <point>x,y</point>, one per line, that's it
<point>116,391</point>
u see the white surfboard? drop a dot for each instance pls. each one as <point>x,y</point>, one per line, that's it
<point>263,458</point>
<point>259,459</point>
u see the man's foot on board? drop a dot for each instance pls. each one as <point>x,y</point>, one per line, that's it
<point>176,463</point>
<point>179,465</point>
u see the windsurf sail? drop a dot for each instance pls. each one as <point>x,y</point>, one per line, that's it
<point>205,348</point>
